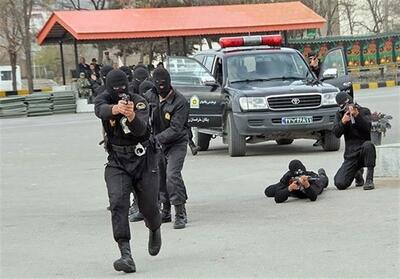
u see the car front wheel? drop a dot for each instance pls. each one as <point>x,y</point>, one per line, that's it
<point>330,142</point>
<point>236,142</point>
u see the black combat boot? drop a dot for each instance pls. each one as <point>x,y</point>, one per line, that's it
<point>125,263</point>
<point>194,148</point>
<point>154,241</point>
<point>321,172</point>
<point>134,213</point>
<point>359,177</point>
<point>369,181</point>
<point>179,216</point>
<point>166,213</point>
<point>184,213</point>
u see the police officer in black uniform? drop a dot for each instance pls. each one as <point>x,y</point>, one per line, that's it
<point>146,86</point>
<point>140,74</point>
<point>128,73</point>
<point>132,164</point>
<point>298,183</point>
<point>314,63</point>
<point>354,122</point>
<point>98,89</point>
<point>134,214</point>
<point>170,123</point>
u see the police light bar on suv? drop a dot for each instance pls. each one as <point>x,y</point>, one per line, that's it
<point>270,40</point>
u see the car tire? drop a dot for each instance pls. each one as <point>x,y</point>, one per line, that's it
<point>284,141</point>
<point>202,140</point>
<point>236,142</point>
<point>330,142</point>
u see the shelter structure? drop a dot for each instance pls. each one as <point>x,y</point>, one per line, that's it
<point>96,26</point>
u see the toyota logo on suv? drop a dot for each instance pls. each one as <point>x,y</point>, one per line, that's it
<point>295,101</point>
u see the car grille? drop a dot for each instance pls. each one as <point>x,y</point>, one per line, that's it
<point>256,122</point>
<point>292,102</point>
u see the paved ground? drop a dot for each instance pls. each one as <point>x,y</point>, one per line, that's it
<point>54,222</point>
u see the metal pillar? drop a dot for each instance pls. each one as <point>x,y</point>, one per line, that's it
<point>76,57</point>
<point>62,61</point>
<point>285,38</point>
<point>184,46</point>
<point>168,46</point>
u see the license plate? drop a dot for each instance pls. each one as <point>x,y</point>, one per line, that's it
<point>296,120</point>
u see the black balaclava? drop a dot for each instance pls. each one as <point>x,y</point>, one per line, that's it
<point>145,86</point>
<point>296,167</point>
<point>128,72</point>
<point>162,81</point>
<point>104,71</point>
<point>139,75</point>
<point>342,99</point>
<point>116,79</point>
<point>140,66</point>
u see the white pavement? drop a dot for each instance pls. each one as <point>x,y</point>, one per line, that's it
<point>54,223</point>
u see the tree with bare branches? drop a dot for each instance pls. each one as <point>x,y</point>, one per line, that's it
<point>374,7</point>
<point>348,7</point>
<point>21,11</point>
<point>9,38</point>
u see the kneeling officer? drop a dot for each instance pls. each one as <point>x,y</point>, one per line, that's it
<point>354,122</point>
<point>132,163</point>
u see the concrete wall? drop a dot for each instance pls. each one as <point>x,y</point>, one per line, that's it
<point>387,160</point>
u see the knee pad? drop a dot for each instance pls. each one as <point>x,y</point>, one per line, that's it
<point>341,184</point>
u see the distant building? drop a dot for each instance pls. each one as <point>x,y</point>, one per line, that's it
<point>39,18</point>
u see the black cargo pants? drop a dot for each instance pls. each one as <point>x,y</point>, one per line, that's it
<point>172,187</point>
<point>365,157</point>
<point>125,172</point>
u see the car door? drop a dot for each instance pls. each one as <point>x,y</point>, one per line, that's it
<point>336,59</point>
<point>204,95</point>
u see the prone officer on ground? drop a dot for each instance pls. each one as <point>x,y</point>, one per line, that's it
<point>298,183</point>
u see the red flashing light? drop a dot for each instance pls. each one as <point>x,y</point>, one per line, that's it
<point>270,40</point>
<point>231,41</point>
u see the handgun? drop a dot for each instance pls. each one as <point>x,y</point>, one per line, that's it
<point>125,97</point>
<point>347,111</point>
<point>297,180</point>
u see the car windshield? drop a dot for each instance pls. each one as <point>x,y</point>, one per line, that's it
<point>266,66</point>
<point>186,71</point>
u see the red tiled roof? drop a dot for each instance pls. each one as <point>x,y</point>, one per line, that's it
<point>177,22</point>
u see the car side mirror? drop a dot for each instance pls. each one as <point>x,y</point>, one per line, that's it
<point>330,73</point>
<point>211,83</point>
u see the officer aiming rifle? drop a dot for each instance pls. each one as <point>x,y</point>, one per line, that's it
<point>298,183</point>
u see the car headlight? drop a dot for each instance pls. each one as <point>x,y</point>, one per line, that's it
<point>253,103</point>
<point>329,99</point>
